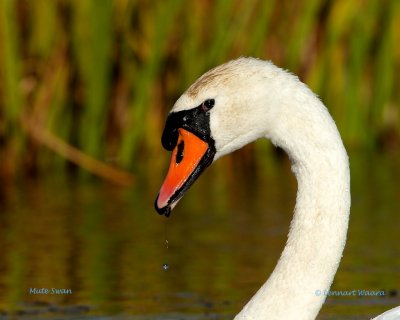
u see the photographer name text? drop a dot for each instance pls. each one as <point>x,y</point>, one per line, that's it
<point>350,293</point>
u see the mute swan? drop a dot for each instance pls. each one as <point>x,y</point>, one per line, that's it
<point>235,104</point>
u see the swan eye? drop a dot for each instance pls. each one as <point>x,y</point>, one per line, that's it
<point>179,153</point>
<point>208,104</point>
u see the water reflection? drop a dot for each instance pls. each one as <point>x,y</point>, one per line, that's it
<point>107,245</point>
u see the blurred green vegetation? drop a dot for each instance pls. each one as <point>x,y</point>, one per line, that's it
<point>90,83</point>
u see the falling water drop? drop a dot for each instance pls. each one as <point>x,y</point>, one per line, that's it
<point>166,265</point>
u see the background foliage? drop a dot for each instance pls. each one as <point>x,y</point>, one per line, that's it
<point>87,84</point>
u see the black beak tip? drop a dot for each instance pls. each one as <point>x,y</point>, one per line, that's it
<point>166,211</point>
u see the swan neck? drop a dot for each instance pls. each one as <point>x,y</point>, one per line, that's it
<point>317,236</point>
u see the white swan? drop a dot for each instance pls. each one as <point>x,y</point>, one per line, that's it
<point>237,103</point>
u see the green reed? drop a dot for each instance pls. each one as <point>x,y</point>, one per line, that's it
<point>89,81</point>
<point>92,40</point>
<point>157,26</point>
<point>11,98</point>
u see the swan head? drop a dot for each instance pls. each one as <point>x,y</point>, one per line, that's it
<point>208,121</point>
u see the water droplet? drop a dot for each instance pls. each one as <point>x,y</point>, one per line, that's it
<point>165,266</point>
<point>166,243</point>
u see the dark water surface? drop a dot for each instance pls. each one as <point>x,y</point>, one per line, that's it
<point>103,247</point>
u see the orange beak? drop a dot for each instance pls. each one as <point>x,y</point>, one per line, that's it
<point>190,157</point>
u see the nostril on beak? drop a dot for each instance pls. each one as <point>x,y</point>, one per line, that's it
<point>179,153</point>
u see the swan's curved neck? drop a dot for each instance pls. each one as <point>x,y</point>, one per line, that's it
<point>295,290</point>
